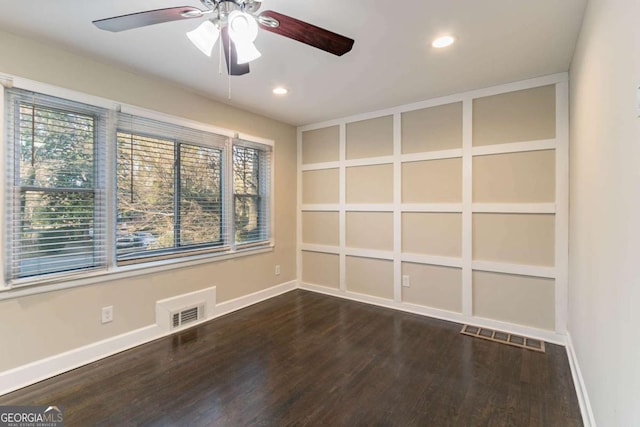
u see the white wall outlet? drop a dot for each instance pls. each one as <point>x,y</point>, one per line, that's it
<point>107,314</point>
<point>278,270</point>
<point>406,281</point>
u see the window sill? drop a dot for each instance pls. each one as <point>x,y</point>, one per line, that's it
<point>35,286</point>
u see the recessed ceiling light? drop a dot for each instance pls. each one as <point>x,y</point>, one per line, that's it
<point>443,41</point>
<point>280,91</point>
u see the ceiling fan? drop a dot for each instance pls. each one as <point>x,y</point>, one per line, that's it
<point>236,23</point>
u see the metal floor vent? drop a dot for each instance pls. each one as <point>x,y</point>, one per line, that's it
<point>504,338</point>
<point>187,315</point>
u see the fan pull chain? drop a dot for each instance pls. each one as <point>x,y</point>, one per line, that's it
<point>220,57</point>
<point>229,68</point>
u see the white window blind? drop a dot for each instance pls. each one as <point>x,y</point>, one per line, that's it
<point>251,192</point>
<point>170,196</point>
<point>56,192</point>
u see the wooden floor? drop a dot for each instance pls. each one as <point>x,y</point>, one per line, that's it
<point>309,359</point>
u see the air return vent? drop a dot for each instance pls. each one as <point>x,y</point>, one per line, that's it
<point>504,338</point>
<point>185,310</point>
<point>187,315</point>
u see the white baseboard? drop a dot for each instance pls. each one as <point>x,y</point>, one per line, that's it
<point>451,316</point>
<point>31,373</point>
<point>581,391</point>
<point>39,370</point>
<point>256,297</point>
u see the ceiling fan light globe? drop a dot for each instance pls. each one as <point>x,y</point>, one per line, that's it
<point>246,52</point>
<point>204,37</point>
<point>242,27</point>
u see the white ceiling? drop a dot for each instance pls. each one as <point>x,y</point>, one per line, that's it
<point>392,62</point>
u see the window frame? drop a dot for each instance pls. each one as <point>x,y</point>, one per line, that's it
<point>113,271</point>
<point>264,196</point>
<point>177,250</point>
<point>13,189</point>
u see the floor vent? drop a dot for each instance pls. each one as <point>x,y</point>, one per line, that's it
<point>187,315</point>
<point>504,338</point>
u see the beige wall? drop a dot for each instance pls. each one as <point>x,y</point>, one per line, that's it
<point>523,300</point>
<point>431,208</point>
<point>38,326</point>
<point>370,138</point>
<point>432,129</point>
<point>514,238</point>
<point>604,226</point>
<point>433,286</point>
<point>527,177</point>
<point>370,276</point>
<point>432,181</point>
<point>321,269</point>
<point>432,233</point>
<point>321,186</point>
<point>524,115</point>
<point>370,184</point>
<point>321,228</point>
<point>370,230</point>
<point>320,145</point>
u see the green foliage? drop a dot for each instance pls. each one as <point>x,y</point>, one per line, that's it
<point>246,187</point>
<point>147,192</point>
<point>56,156</point>
<point>56,148</point>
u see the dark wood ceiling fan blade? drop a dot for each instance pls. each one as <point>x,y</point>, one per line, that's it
<point>307,33</point>
<point>231,56</point>
<point>150,17</point>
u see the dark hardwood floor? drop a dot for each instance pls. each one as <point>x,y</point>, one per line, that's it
<point>309,359</point>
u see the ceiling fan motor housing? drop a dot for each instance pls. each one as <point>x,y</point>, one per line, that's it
<point>227,6</point>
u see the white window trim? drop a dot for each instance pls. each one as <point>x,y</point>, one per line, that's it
<point>119,273</point>
<point>31,286</point>
<point>4,83</point>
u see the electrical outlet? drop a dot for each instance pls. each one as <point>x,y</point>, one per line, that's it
<point>406,281</point>
<point>107,314</point>
<point>278,270</point>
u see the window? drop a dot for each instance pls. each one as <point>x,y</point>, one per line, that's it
<point>251,166</point>
<point>169,190</point>
<point>56,191</point>
<point>176,191</point>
